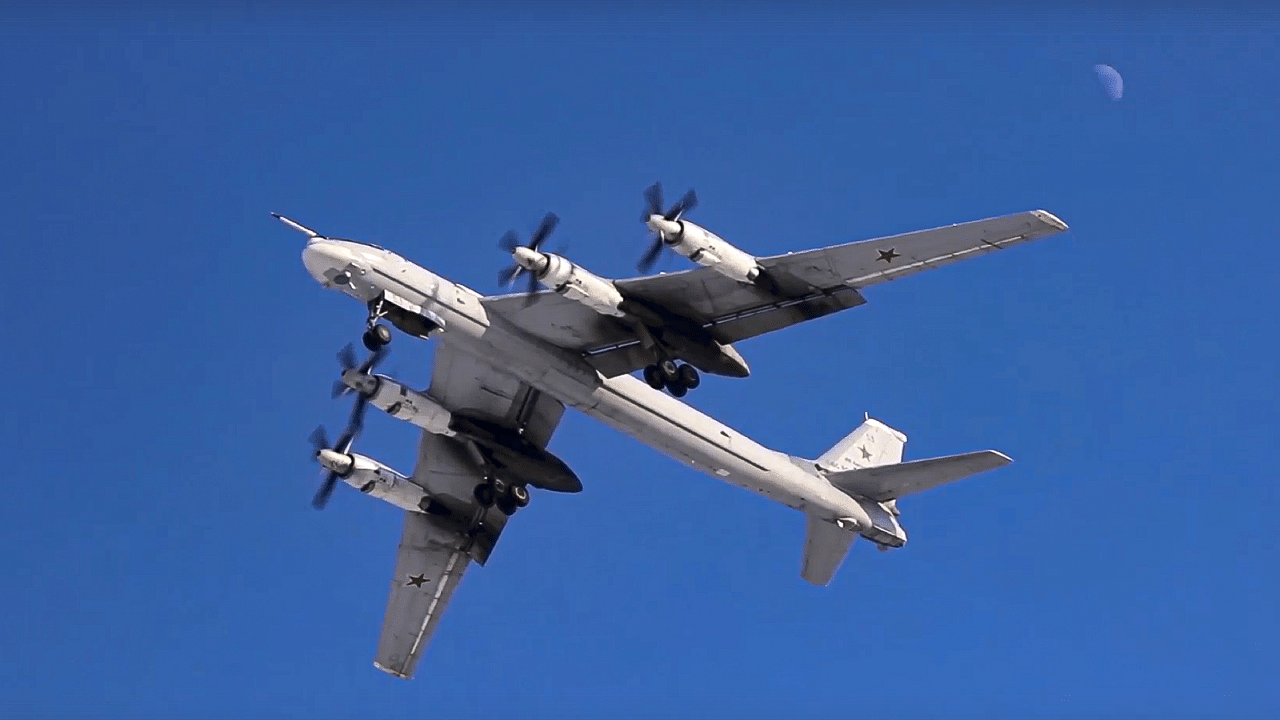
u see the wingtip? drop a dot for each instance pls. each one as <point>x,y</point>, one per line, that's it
<point>1050,219</point>
<point>392,672</point>
<point>1004,459</point>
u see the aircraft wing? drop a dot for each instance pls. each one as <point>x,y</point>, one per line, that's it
<point>813,283</point>
<point>871,262</point>
<point>430,564</point>
<point>437,546</point>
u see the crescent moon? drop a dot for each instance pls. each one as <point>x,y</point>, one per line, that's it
<point>1111,81</point>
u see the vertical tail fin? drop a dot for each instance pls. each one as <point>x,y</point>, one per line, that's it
<point>870,444</point>
<point>826,544</point>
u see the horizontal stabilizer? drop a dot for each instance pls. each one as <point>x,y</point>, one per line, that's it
<point>825,547</point>
<point>888,482</point>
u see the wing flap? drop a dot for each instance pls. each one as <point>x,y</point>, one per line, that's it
<point>620,358</point>
<point>778,315</point>
<point>887,482</point>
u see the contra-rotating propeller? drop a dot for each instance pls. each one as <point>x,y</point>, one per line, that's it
<point>320,442</point>
<point>320,439</point>
<point>347,359</point>
<point>653,206</point>
<point>510,242</point>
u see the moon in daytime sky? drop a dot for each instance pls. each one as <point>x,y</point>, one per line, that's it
<point>1111,81</point>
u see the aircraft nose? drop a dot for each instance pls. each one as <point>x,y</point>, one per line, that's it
<point>323,259</point>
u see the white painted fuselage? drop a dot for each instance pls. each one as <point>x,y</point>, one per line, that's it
<point>624,402</point>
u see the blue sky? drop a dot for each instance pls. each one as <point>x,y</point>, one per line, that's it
<point>168,356</point>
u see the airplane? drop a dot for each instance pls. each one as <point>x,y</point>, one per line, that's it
<point>507,366</point>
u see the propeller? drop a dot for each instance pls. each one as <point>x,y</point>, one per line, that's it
<point>320,442</point>
<point>355,423</point>
<point>653,206</point>
<point>347,359</point>
<point>510,243</point>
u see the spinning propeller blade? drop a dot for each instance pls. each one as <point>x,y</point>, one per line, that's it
<point>653,201</point>
<point>650,256</point>
<point>686,203</point>
<point>326,489</point>
<point>319,440</point>
<point>653,206</point>
<point>375,358</point>
<point>356,420</point>
<point>510,241</point>
<point>549,223</point>
<point>530,290</point>
<point>347,357</point>
<point>346,441</point>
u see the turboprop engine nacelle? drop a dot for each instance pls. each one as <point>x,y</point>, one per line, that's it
<point>706,248</point>
<point>570,280</point>
<point>400,402</point>
<point>374,478</point>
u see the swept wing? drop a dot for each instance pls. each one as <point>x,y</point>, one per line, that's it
<point>815,283</point>
<point>438,545</point>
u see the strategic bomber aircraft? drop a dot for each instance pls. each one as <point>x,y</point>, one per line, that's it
<point>507,366</point>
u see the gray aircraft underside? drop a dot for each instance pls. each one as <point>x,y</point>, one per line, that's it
<point>506,368</point>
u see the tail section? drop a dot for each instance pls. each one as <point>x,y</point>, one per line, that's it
<point>870,444</point>
<point>867,466</point>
